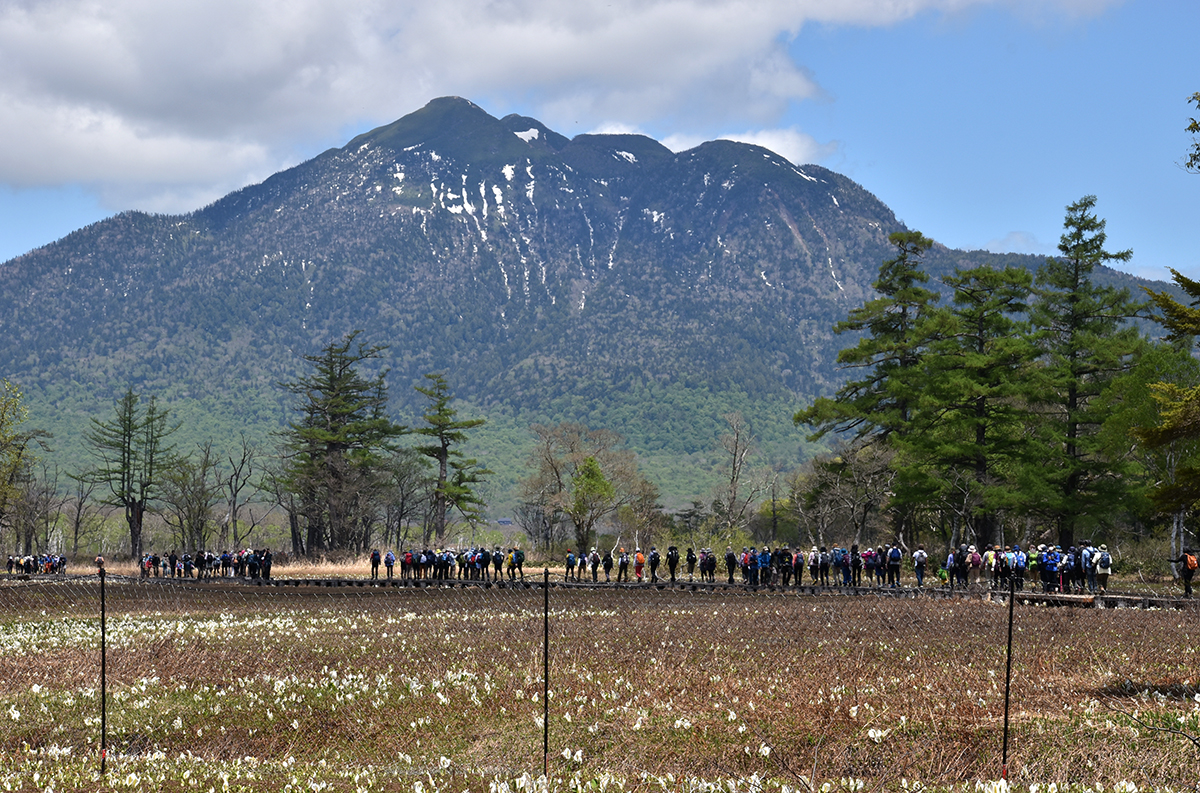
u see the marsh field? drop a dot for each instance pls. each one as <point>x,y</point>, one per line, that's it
<point>226,687</point>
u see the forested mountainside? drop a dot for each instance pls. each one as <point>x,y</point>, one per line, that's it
<point>602,279</point>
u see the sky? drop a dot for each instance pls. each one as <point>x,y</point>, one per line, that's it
<point>976,121</point>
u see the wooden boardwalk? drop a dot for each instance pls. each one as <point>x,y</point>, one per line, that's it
<point>1112,600</point>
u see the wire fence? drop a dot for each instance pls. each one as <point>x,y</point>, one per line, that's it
<point>429,678</point>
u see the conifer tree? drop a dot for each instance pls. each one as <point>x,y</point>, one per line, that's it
<point>134,457</point>
<point>881,404</point>
<point>1082,333</point>
<point>336,449</point>
<point>974,406</point>
<point>1177,398</point>
<point>457,475</point>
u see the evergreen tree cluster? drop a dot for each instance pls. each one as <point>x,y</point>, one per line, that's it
<point>1014,402</point>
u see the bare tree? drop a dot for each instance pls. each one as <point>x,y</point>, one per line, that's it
<point>37,511</point>
<point>190,492</point>
<point>82,514</point>
<point>408,485</point>
<point>581,473</point>
<point>238,479</point>
<point>739,491</point>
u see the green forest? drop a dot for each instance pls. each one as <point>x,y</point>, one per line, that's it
<point>1004,405</point>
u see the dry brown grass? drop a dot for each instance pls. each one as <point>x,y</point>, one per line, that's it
<point>667,682</point>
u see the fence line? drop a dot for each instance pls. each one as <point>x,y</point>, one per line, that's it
<point>718,679</point>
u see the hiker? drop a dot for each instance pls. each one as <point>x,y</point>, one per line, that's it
<point>672,561</point>
<point>1187,569</point>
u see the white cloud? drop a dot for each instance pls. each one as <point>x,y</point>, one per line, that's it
<point>791,143</point>
<point>1020,242</point>
<point>156,102</point>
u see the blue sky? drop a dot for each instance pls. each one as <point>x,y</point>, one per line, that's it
<point>977,122</point>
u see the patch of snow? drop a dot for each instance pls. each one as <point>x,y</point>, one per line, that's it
<point>582,299</point>
<point>763,275</point>
<point>834,275</point>
<point>707,179</point>
<point>399,175</point>
<point>804,175</point>
<point>529,187</point>
<point>835,201</point>
<point>624,155</point>
<point>528,135</point>
<point>416,146</point>
<point>433,155</point>
<point>509,171</point>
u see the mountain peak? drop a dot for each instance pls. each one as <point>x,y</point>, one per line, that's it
<point>451,126</point>
<point>534,132</point>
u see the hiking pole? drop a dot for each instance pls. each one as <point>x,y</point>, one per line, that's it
<point>1008,676</point>
<point>546,673</point>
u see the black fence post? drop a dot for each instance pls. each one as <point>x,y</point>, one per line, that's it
<point>1012,581</point>
<point>103,679</point>
<point>546,672</point>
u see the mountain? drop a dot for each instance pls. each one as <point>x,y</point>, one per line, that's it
<point>601,278</point>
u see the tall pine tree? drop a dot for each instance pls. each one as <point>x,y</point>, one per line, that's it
<point>1085,341</point>
<point>456,474</point>
<point>974,405</point>
<point>337,449</point>
<point>881,404</point>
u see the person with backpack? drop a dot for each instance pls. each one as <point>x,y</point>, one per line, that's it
<point>881,564</point>
<point>974,565</point>
<point>785,567</point>
<point>730,561</point>
<point>895,555</point>
<point>1188,563</point>
<point>623,566</point>
<point>691,564</point>
<point>1103,568</point>
<point>607,561</point>
<point>835,563</point>
<point>594,560</point>
<point>655,560</point>
<point>570,566</point>
<point>764,566</point>
<point>869,559</point>
<point>672,561</point>
<point>1020,561</point>
<point>389,561</point>
<point>919,560</point>
<point>1089,554</point>
<point>375,564</point>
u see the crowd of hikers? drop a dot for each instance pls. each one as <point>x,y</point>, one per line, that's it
<point>474,564</point>
<point>44,564</point>
<point>1077,570</point>
<point>246,563</point>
